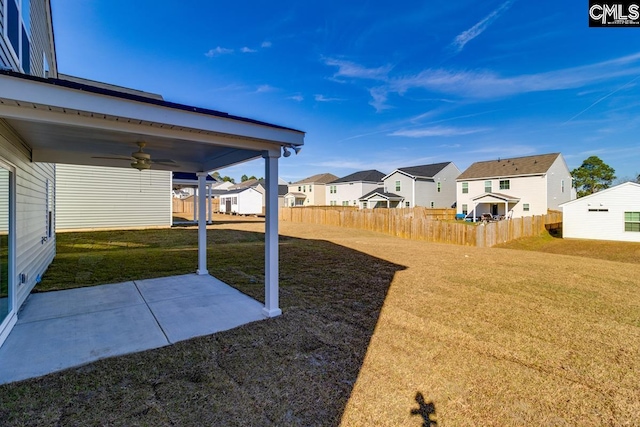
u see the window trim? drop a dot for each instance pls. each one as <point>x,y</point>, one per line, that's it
<point>490,186</point>
<point>504,184</point>
<point>465,188</point>
<point>398,185</point>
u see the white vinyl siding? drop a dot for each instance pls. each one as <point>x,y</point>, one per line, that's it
<point>93,197</point>
<point>559,184</point>
<point>349,191</point>
<point>33,253</point>
<point>602,216</point>
<point>427,189</point>
<point>246,202</point>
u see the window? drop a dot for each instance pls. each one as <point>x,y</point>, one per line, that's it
<point>487,186</point>
<point>432,204</point>
<point>397,185</point>
<point>299,188</point>
<point>364,205</point>
<point>562,186</point>
<point>465,187</point>
<point>525,207</point>
<point>345,203</point>
<point>465,209</point>
<point>407,204</point>
<point>17,30</point>
<point>439,187</point>
<point>310,188</point>
<point>632,221</point>
<point>333,189</point>
<point>504,184</point>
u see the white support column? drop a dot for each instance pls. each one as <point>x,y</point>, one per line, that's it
<point>271,297</point>
<point>202,224</point>
<point>209,206</point>
<point>195,203</point>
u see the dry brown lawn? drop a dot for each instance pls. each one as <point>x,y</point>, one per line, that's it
<point>497,337</point>
<point>381,331</point>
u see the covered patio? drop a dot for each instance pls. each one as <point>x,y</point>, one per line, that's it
<point>63,121</point>
<point>497,205</point>
<point>380,199</point>
<point>294,199</point>
<point>63,329</point>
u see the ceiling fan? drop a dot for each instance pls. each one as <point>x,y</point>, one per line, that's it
<point>141,160</point>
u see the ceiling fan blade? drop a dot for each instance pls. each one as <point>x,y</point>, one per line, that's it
<point>111,157</point>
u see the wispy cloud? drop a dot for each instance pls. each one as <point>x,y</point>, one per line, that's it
<point>247,50</point>
<point>466,36</point>
<point>298,98</point>
<point>218,51</point>
<point>435,131</point>
<point>266,44</point>
<point>353,70</point>
<point>322,98</point>
<point>265,88</point>
<point>487,84</point>
<point>379,99</point>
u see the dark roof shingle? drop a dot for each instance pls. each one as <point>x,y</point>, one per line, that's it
<point>529,165</point>
<point>425,171</point>
<point>371,175</point>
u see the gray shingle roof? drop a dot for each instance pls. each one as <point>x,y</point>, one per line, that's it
<point>321,178</point>
<point>380,191</point>
<point>371,175</point>
<point>425,171</point>
<point>529,165</point>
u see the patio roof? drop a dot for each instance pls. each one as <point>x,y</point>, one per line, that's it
<point>61,121</point>
<point>381,195</point>
<point>495,197</point>
<point>296,195</point>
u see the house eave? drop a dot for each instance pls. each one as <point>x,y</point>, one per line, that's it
<point>65,122</point>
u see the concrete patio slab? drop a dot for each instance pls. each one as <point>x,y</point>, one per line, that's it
<point>63,329</point>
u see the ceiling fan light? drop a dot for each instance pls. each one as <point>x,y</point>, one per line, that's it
<point>141,165</point>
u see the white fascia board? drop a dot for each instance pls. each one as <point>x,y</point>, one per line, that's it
<point>27,91</point>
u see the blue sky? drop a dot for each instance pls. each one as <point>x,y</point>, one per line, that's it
<point>378,85</point>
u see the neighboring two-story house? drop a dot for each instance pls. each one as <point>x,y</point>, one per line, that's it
<point>309,191</point>
<point>516,187</point>
<point>431,186</point>
<point>348,190</point>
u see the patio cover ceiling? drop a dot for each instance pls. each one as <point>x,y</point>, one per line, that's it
<point>62,121</point>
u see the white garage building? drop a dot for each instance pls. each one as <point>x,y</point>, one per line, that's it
<point>611,214</point>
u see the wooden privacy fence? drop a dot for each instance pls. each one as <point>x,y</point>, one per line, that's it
<point>433,225</point>
<point>185,206</point>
